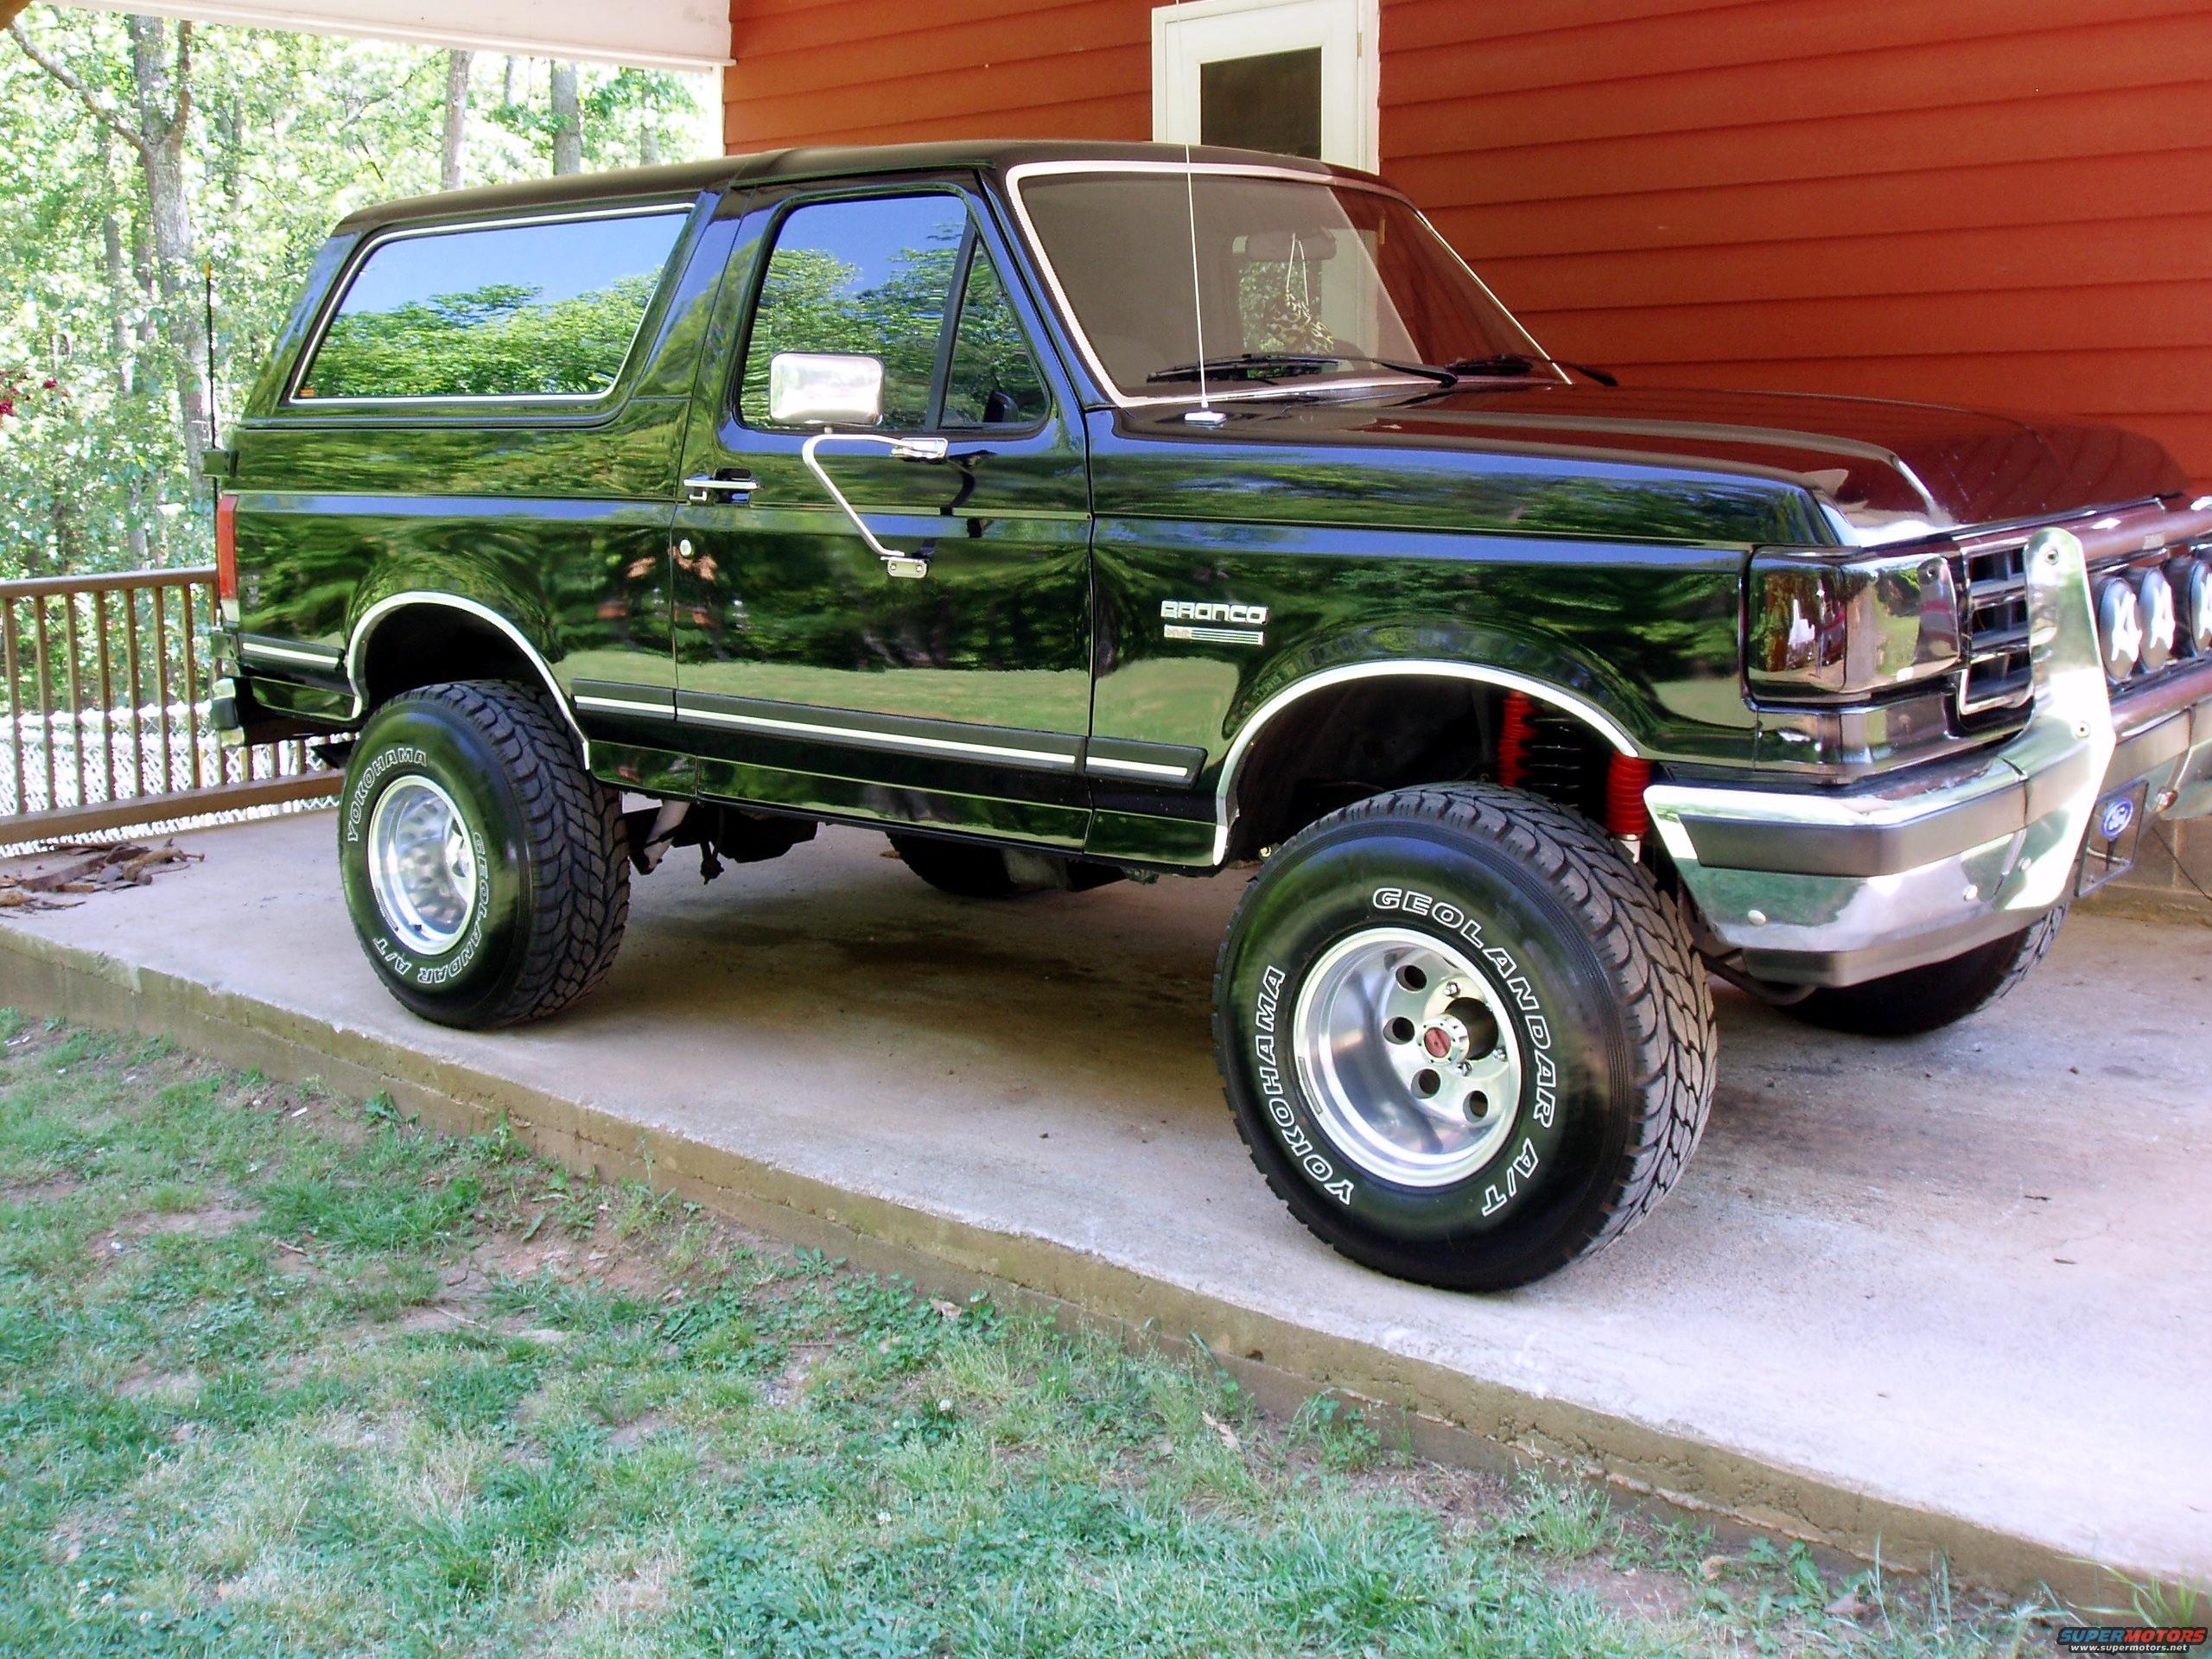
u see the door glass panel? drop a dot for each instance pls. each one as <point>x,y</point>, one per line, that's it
<point>1270,102</point>
<point>994,380</point>
<point>872,275</point>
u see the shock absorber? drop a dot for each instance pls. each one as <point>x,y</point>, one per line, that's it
<point>1626,778</point>
<point>1513,738</point>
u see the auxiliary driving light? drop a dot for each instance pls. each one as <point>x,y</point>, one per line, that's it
<point>2119,628</point>
<point>2192,581</point>
<point>2154,599</point>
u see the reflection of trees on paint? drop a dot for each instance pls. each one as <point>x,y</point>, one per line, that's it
<point>498,340</point>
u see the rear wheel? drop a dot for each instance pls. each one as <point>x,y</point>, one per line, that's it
<point>1465,1041</point>
<point>486,870</point>
<point>1922,1000</point>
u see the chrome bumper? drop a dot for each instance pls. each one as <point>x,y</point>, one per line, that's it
<point>1835,888</point>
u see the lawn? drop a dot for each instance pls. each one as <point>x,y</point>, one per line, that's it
<point>281,1373</point>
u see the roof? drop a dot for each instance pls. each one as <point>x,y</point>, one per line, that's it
<point>688,178</point>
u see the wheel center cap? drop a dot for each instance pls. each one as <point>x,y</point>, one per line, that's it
<point>1442,1040</point>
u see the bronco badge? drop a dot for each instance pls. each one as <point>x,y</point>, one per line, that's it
<point>1185,619</point>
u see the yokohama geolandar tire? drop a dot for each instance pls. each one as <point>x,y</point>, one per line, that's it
<point>1922,1000</point>
<point>486,870</point>
<point>1465,1041</point>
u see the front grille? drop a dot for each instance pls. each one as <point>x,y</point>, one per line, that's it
<point>2000,675</point>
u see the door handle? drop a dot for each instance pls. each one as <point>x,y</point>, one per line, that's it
<point>895,563</point>
<point>704,488</point>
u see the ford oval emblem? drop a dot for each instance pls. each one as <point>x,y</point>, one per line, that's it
<point>2113,822</point>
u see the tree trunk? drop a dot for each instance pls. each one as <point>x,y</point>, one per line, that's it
<point>449,175</point>
<point>161,113</point>
<point>567,122</point>
<point>121,299</point>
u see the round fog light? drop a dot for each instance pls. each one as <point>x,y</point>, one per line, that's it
<point>2192,581</point>
<point>2154,600</point>
<point>2119,628</point>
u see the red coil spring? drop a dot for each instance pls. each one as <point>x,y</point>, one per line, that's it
<point>1626,778</point>
<point>1512,739</point>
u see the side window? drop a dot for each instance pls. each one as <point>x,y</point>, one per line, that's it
<point>871,276</point>
<point>525,310</point>
<point>993,380</point>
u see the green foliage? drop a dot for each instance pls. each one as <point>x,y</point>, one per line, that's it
<point>288,133</point>
<point>496,340</point>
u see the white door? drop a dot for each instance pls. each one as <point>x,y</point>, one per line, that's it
<point>1294,76</point>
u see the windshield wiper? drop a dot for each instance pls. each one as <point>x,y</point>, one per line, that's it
<point>1254,365</point>
<point>1521,363</point>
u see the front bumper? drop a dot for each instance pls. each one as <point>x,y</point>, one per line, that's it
<point>1836,888</point>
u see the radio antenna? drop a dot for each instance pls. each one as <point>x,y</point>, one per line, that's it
<point>1205,413</point>
<point>215,429</point>
<point>1198,298</point>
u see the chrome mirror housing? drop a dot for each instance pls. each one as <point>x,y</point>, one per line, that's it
<point>825,388</point>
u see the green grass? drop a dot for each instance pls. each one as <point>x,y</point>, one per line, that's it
<point>281,1373</point>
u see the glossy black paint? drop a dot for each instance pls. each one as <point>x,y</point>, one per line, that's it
<point>1586,541</point>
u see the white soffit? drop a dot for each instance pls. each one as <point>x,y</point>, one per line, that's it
<point>691,34</point>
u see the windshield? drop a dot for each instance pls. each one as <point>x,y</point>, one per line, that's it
<point>1302,283</point>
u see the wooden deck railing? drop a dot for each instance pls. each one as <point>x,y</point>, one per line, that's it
<point>104,688</point>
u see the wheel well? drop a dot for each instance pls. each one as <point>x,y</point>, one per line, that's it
<point>1344,742</point>
<point>423,645</point>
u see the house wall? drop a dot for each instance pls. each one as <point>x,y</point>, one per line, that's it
<point>1998,202</point>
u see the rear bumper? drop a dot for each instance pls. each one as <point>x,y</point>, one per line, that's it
<point>1835,888</point>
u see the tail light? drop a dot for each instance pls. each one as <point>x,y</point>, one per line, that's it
<point>226,553</point>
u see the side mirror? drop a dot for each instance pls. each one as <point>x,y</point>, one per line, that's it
<point>824,388</point>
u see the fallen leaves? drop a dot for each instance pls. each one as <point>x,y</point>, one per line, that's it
<point>89,868</point>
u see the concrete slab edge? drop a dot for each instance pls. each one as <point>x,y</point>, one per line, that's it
<point>1442,1414</point>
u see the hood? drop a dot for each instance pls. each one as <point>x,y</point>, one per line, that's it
<point>1878,471</point>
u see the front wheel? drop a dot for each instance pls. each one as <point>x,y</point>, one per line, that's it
<point>1465,1041</point>
<point>486,870</point>
<point>1922,1000</point>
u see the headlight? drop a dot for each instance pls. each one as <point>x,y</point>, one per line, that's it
<point>2192,584</point>
<point>2154,598</point>
<point>2119,627</point>
<point>1818,628</point>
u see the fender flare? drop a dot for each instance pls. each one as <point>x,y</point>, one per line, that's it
<point>365,625</point>
<point>1344,673</point>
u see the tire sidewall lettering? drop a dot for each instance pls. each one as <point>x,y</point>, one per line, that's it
<point>1527,1169</point>
<point>482,946</point>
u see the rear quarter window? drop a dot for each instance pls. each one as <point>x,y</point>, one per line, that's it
<point>545,308</point>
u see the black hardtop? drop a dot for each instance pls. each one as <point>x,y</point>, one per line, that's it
<point>811,162</point>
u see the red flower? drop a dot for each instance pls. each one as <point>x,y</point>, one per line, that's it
<point>51,383</point>
<point>6,407</point>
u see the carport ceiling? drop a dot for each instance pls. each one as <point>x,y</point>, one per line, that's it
<point>664,34</point>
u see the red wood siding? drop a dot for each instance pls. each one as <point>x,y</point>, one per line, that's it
<point>1999,202</point>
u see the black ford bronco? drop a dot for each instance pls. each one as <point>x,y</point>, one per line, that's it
<point>1076,513</point>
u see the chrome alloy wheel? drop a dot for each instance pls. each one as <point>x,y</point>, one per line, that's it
<point>1408,1056</point>
<point>422,866</point>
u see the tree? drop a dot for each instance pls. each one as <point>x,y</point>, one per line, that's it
<point>456,128</point>
<point>162,84</point>
<point>285,134</point>
<point>567,122</point>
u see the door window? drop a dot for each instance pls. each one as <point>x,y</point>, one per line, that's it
<point>879,276</point>
<point>993,380</point>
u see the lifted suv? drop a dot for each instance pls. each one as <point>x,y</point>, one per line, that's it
<point>1071,513</point>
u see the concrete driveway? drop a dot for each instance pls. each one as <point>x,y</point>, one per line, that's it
<point>1949,1293</point>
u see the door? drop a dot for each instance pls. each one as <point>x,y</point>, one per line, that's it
<point>951,684</point>
<point>1297,77</point>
